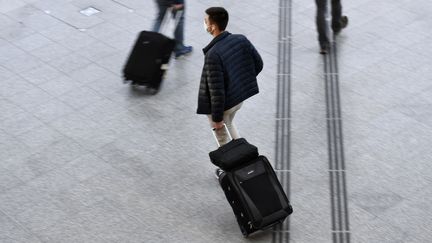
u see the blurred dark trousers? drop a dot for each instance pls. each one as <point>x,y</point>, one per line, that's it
<point>336,12</point>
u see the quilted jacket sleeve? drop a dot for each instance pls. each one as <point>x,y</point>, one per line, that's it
<point>215,79</point>
<point>257,59</point>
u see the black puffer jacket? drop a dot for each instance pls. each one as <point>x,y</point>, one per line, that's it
<point>229,74</point>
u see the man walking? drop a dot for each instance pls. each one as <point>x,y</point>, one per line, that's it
<point>163,5</point>
<point>229,74</point>
<point>338,22</point>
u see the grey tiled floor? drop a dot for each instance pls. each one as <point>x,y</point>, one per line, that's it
<point>85,158</point>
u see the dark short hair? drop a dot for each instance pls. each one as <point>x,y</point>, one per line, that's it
<point>219,16</point>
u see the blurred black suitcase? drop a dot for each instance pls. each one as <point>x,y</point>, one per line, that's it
<point>251,187</point>
<point>150,55</point>
<point>255,195</point>
<point>150,52</point>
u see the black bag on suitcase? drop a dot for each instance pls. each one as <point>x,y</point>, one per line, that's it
<point>251,186</point>
<point>150,52</point>
<point>233,154</point>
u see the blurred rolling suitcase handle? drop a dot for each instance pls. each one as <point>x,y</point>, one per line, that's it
<point>165,29</point>
<point>226,130</point>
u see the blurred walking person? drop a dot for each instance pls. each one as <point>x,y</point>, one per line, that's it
<point>338,22</point>
<point>176,5</point>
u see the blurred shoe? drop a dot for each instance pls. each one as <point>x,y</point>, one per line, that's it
<point>324,48</point>
<point>218,173</point>
<point>343,22</point>
<point>184,51</point>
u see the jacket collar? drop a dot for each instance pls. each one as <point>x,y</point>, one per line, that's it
<point>215,40</point>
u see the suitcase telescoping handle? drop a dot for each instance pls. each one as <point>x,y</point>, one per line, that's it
<point>166,19</point>
<point>226,130</point>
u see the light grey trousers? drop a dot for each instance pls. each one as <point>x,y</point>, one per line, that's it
<point>228,117</point>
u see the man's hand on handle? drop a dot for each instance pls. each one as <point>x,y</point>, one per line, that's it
<point>177,6</point>
<point>218,125</point>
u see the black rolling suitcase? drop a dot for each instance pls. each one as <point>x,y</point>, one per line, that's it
<point>144,65</point>
<point>149,58</point>
<point>255,195</point>
<point>251,187</point>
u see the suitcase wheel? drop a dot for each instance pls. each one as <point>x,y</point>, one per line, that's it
<point>244,232</point>
<point>136,84</point>
<point>153,91</point>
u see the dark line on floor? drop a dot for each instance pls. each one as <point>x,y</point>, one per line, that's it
<point>337,172</point>
<point>341,148</point>
<point>283,110</point>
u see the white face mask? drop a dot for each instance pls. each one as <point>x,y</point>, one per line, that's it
<point>205,27</point>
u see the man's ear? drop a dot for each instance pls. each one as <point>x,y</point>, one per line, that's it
<point>213,27</point>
